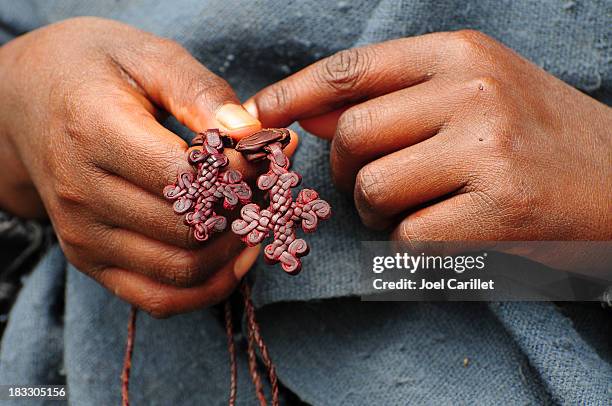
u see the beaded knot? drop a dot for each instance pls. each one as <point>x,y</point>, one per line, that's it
<point>196,193</point>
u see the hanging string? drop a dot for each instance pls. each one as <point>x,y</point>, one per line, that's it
<point>254,339</point>
<point>231,347</point>
<point>254,331</point>
<point>252,357</point>
<point>127,360</point>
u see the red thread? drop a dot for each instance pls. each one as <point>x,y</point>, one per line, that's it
<point>231,348</point>
<point>127,360</point>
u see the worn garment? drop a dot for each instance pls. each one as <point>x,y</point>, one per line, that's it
<point>329,347</point>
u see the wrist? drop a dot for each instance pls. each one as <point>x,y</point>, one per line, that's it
<point>17,193</point>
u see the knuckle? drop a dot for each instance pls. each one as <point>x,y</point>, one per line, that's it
<point>63,223</point>
<point>275,98</point>
<point>352,126</point>
<point>470,37</point>
<point>74,230</point>
<point>166,162</point>
<point>208,90</point>
<point>469,43</point>
<point>367,193</point>
<point>70,236</point>
<point>170,47</point>
<point>490,94</point>
<point>357,120</point>
<point>487,84</point>
<point>342,150</point>
<point>77,103</point>
<point>344,70</point>
<point>157,302</point>
<point>170,161</point>
<point>76,115</point>
<point>185,269</point>
<point>411,233</point>
<point>157,306</point>
<point>503,140</point>
<point>67,193</point>
<point>73,124</point>
<point>71,181</point>
<point>419,235</point>
<point>181,233</point>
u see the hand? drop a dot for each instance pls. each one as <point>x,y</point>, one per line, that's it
<point>80,142</point>
<point>452,136</point>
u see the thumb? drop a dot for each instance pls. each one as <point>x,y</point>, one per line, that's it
<point>174,80</point>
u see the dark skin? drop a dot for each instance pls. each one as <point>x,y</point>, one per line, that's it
<point>80,142</point>
<point>505,150</point>
<point>452,136</point>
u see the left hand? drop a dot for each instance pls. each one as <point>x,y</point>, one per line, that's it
<point>452,136</point>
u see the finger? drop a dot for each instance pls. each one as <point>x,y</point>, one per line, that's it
<point>348,77</point>
<point>408,178</point>
<point>162,300</point>
<point>392,122</point>
<point>323,126</point>
<point>120,204</point>
<point>473,221</point>
<point>123,205</point>
<point>464,217</point>
<point>137,148</point>
<point>176,81</point>
<point>162,262</point>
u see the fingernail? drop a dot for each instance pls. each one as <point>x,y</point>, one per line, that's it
<point>234,117</point>
<point>245,261</point>
<point>251,107</point>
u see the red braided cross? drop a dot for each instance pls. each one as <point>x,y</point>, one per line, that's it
<point>283,214</point>
<point>197,193</point>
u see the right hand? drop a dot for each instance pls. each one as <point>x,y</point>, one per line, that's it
<point>80,142</point>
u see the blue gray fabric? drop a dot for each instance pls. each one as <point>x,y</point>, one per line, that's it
<point>329,347</point>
